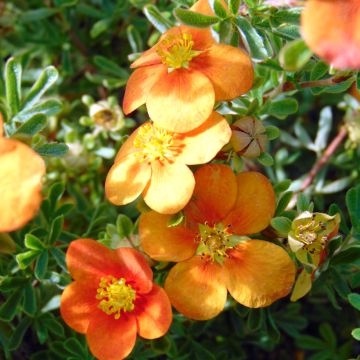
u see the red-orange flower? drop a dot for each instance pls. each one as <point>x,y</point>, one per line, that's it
<point>180,78</point>
<point>203,7</point>
<point>153,162</point>
<point>331,29</point>
<point>21,171</point>
<point>112,299</point>
<point>212,252</point>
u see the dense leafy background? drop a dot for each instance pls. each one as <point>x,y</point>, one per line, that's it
<point>91,44</point>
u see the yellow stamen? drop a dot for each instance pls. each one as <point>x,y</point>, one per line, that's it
<point>176,51</point>
<point>311,234</point>
<point>115,296</point>
<point>154,143</point>
<point>214,242</point>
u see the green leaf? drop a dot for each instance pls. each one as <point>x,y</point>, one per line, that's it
<point>110,67</point>
<point>48,108</point>
<point>310,343</point>
<point>156,18</point>
<point>55,194</point>
<point>219,9</point>
<point>100,27</point>
<point>347,256</point>
<point>294,55</point>
<point>283,202</point>
<point>59,257</point>
<point>252,39</point>
<point>282,225</point>
<point>325,124</point>
<point>176,219</point>
<point>124,226</point>
<point>38,14</point>
<point>13,73</point>
<point>282,108</point>
<point>46,79</point>
<point>353,205</point>
<point>135,39</point>
<point>354,300</point>
<point>282,186</point>
<point>272,132</point>
<point>18,335</point>
<point>195,19</point>
<point>234,6</point>
<point>265,159</point>
<point>41,265</point>
<point>56,228</point>
<point>328,335</point>
<point>201,352</point>
<point>302,203</point>
<point>52,149</point>
<point>29,301</point>
<point>356,334</point>
<point>33,125</point>
<point>32,242</point>
<point>335,186</point>
<point>8,308</point>
<point>255,319</point>
<point>26,258</point>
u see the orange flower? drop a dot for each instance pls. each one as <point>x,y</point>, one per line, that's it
<point>212,252</point>
<point>180,78</point>
<point>112,299</point>
<point>152,162</point>
<point>21,171</point>
<point>331,30</point>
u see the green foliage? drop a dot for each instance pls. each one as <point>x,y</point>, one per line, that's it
<point>64,56</point>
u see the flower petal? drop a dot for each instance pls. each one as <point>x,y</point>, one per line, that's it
<point>127,147</point>
<point>135,269</point>
<point>180,101</point>
<point>138,86</point>
<point>258,273</point>
<point>330,29</point>
<point>203,7</point>
<point>229,69</point>
<point>1,126</point>
<point>148,57</point>
<point>214,194</point>
<point>302,286</point>
<point>170,188</point>
<point>203,143</point>
<point>255,204</point>
<point>111,339</point>
<point>164,243</point>
<point>153,314</point>
<point>126,180</point>
<point>78,305</point>
<point>87,258</point>
<point>196,288</point>
<point>21,171</point>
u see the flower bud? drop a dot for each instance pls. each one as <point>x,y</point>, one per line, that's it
<point>107,116</point>
<point>248,137</point>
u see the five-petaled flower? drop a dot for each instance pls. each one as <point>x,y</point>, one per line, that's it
<point>112,299</point>
<point>331,29</point>
<point>308,239</point>
<point>180,78</point>
<point>210,248</point>
<point>21,171</point>
<point>153,161</point>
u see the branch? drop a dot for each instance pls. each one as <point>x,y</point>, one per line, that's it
<point>339,138</point>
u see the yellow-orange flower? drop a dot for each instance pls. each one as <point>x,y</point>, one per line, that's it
<point>180,78</point>
<point>203,7</point>
<point>21,171</point>
<point>331,29</point>
<point>112,299</point>
<point>153,162</point>
<point>212,253</point>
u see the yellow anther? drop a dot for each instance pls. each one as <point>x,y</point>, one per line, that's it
<point>116,296</point>
<point>154,143</point>
<point>176,51</point>
<point>214,242</point>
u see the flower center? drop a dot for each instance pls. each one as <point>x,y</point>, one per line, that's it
<point>312,236</point>
<point>214,242</point>
<point>154,143</point>
<point>115,296</point>
<point>176,51</point>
